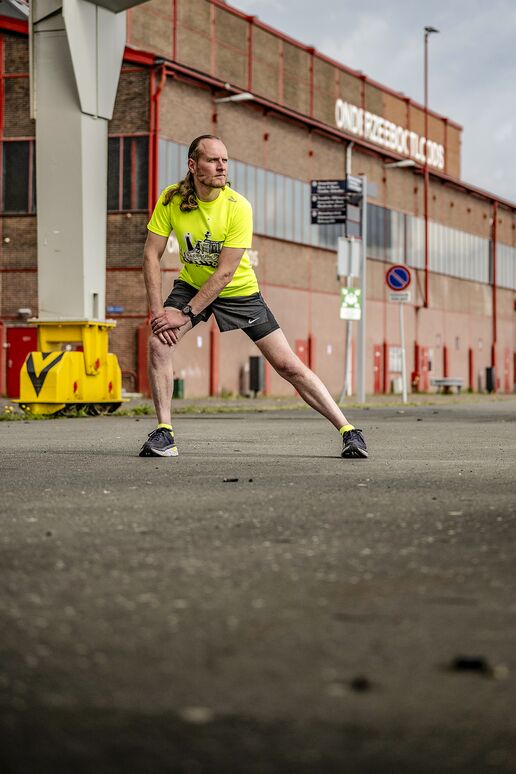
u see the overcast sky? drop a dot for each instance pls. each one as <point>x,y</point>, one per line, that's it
<point>472,63</point>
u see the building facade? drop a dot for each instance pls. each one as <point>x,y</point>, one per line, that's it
<point>303,117</point>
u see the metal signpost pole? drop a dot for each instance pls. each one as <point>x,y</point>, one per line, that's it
<point>403,357</point>
<point>346,392</point>
<point>398,279</point>
<point>361,386</point>
<point>347,375</point>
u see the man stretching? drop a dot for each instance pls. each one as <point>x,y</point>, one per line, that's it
<point>214,227</point>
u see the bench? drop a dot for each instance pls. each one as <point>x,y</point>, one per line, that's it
<point>445,383</point>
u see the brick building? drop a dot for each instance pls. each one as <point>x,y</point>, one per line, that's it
<point>303,114</point>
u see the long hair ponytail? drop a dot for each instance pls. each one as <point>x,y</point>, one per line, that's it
<point>185,188</point>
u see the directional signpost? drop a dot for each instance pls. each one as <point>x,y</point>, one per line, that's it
<point>328,202</point>
<point>344,201</point>
<point>398,278</point>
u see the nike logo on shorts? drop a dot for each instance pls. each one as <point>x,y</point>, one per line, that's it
<point>253,320</point>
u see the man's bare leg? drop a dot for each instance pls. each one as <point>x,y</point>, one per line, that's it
<point>161,374</point>
<point>276,349</point>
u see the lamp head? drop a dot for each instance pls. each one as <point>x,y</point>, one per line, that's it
<point>429,30</point>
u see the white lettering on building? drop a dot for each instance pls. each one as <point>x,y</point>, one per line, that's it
<point>380,131</point>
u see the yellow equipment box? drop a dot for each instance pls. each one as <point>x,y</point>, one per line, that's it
<point>71,369</point>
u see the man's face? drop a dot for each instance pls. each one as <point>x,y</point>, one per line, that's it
<point>211,167</point>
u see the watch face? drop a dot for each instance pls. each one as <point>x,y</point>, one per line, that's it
<point>187,309</point>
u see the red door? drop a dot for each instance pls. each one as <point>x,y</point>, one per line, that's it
<point>303,353</point>
<point>302,350</point>
<point>507,370</point>
<point>19,342</point>
<point>424,384</point>
<point>378,369</point>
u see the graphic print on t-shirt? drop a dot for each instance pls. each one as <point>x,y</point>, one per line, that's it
<point>203,253</point>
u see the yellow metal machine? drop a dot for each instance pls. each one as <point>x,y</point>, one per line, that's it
<point>71,369</point>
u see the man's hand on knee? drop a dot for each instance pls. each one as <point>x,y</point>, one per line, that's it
<point>169,319</point>
<point>168,337</point>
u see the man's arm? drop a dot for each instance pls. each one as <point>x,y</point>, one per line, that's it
<point>229,260</point>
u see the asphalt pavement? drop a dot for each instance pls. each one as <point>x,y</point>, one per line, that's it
<point>259,605</point>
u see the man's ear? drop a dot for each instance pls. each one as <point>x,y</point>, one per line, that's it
<point>191,166</point>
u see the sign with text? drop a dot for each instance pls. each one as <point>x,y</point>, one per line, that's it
<point>328,202</point>
<point>401,297</point>
<point>379,130</point>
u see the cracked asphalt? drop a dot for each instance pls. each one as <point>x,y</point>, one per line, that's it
<point>305,618</point>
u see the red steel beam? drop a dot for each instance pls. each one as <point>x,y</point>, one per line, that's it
<point>9,24</point>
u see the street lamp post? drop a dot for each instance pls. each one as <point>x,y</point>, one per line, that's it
<point>428,31</point>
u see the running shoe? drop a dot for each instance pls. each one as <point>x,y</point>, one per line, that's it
<point>353,444</point>
<point>160,443</point>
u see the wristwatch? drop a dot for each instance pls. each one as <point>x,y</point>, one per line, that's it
<point>187,310</point>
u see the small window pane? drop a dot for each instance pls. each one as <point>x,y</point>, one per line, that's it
<point>113,172</point>
<point>270,204</point>
<point>279,190</point>
<point>299,214</point>
<point>251,182</point>
<point>16,176</point>
<point>259,212</point>
<point>127,182</point>
<point>289,209</point>
<point>142,172</point>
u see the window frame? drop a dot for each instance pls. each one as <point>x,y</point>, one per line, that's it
<point>31,176</point>
<point>123,139</point>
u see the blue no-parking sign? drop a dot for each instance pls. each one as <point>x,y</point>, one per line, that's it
<point>398,277</point>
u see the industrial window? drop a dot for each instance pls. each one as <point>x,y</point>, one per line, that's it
<point>506,266</point>
<point>281,207</point>
<point>128,173</point>
<point>18,175</point>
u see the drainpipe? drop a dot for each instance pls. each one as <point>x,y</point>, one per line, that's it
<point>493,283</point>
<point>155,92</point>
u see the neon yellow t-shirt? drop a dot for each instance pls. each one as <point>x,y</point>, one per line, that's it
<point>227,221</point>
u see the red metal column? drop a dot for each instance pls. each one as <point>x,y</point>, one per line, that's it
<point>214,359</point>
<point>493,281</point>
<point>1,111</point>
<point>445,360</point>
<point>425,177</point>
<point>281,72</point>
<point>445,170</point>
<point>471,369</point>
<point>311,53</point>
<point>213,40</point>
<point>151,199</point>
<point>385,367</point>
<point>155,93</point>
<point>1,86</point>
<point>250,30</point>
<point>416,373</point>
<point>174,30</point>
<point>3,355</point>
<point>311,351</point>
<point>377,369</point>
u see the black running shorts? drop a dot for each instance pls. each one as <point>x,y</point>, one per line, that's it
<point>248,313</point>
